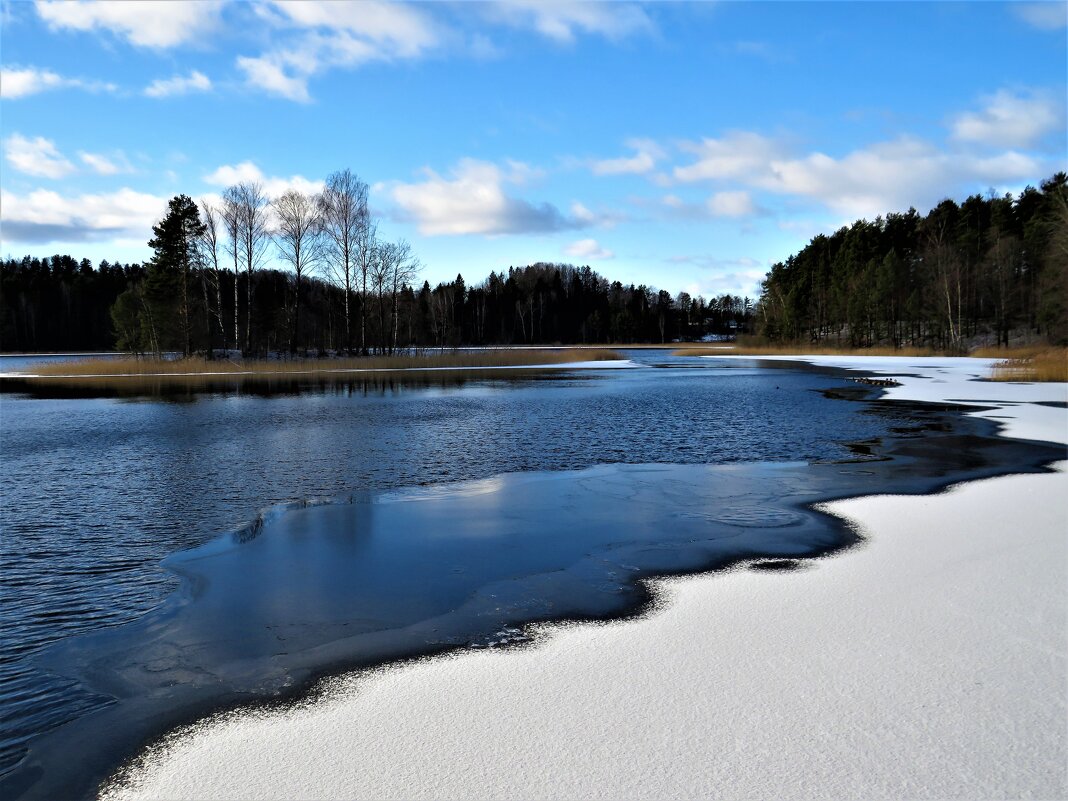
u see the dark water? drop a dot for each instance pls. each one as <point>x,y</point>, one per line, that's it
<point>97,492</point>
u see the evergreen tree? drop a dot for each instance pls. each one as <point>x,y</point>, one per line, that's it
<point>168,286</point>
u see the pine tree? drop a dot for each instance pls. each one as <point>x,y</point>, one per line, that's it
<point>170,275</point>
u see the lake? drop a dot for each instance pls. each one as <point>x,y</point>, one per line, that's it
<point>166,555</point>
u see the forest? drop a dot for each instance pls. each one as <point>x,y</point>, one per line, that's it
<point>989,270</point>
<point>207,290</point>
<point>60,304</point>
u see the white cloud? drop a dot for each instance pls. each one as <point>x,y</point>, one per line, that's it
<point>269,76</point>
<point>520,173</point>
<point>394,30</point>
<point>585,217</point>
<point>731,204</point>
<point>1009,120</point>
<point>891,176</point>
<point>740,283</point>
<point>145,23</point>
<point>869,181</point>
<point>46,216</point>
<point>22,82</point>
<point>179,85</point>
<point>105,165</point>
<point>580,212</point>
<point>229,174</point>
<point>482,48</point>
<point>472,200</point>
<point>273,186</point>
<point>740,277</point>
<point>1051,16</point>
<point>588,249</point>
<point>16,82</point>
<point>563,21</point>
<point>646,155</point>
<point>335,35</point>
<point>737,155</point>
<point>37,156</point>
<point>345,35</point>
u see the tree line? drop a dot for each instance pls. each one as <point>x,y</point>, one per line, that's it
<point>208,289</point>
<point>547,303</point>
<point>988,270</point>
<point>61,304</point>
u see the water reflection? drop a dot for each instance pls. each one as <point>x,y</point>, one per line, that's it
<point>151,389</point>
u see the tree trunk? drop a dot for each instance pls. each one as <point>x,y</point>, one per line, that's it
<point>187,327</point>
<point>248,310</point>
<point>207,311</point>
<point>363,314</point>
<point>237,332</point>
<point>348,327</point>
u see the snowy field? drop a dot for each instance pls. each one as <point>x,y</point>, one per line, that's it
<point>930,662</point>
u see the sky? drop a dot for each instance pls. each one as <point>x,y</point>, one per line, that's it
<point>683,146</point>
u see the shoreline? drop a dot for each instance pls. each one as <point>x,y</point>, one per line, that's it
<point>441,673</point>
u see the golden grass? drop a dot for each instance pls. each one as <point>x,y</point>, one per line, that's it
<point>1031,364</point>
<point>189,377</point>
<point>181,368</point>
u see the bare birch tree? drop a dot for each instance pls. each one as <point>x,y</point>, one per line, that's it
<point>343,211</point>
<point>231,220</point>
<point>398,267</point>
<point>298,241</point>
<point>366,253</point>
<point>946,268</point>
<point>254,238</point>
<point>379,278</point>
<point>210,245</point>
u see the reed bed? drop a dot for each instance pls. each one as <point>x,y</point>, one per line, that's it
<point>198,366</point>
<point>1031,364</point>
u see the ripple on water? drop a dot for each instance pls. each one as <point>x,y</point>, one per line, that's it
<point>756,517</point>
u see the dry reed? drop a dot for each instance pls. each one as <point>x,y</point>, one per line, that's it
<point>122,368</point>
<point>1031,364</point>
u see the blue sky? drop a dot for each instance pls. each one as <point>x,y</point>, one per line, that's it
<point>685,146</point>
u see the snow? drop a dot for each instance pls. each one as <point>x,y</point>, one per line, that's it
<point>930,662</point>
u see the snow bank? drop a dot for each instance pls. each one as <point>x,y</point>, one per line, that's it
<point>931,662</point>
